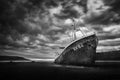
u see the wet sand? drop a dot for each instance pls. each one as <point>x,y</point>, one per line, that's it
<point>50,71</point>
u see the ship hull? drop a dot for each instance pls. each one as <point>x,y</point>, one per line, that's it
<point>79,52</point>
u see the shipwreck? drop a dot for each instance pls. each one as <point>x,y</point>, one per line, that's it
<point>81,51</point>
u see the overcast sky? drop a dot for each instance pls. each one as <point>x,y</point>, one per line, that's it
<point>51,19</point>
<point>102,13</point>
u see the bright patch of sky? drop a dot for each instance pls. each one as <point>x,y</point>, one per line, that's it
<point>55,10</point>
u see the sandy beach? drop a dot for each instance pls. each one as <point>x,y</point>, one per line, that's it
<point>49,70</point>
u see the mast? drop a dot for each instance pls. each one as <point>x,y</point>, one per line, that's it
<point>74,29</point>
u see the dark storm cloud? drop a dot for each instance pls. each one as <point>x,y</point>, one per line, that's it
<point>104,36</point>
<point>115,4</point>
<point>103,12</point>
<point>39,16</point>
<point>68,13</point>
<point>43,23</point>
<point>110,42</point>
